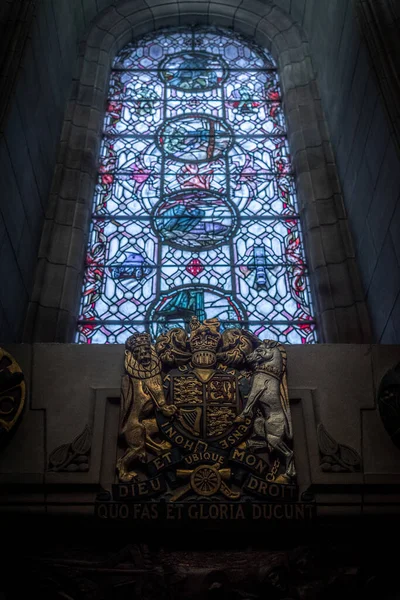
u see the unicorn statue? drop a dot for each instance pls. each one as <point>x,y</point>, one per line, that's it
<point>268,404</point>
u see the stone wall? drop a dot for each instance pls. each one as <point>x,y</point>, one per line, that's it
<point>72,387</point>
<point>359,129</point>
<point>365,150</point>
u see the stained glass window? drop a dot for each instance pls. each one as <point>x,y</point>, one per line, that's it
<point>195,207</point>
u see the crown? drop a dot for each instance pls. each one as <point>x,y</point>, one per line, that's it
<point>204,340</point>
<point>137,339</point>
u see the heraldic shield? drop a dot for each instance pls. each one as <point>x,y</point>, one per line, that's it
<point>204,414</point>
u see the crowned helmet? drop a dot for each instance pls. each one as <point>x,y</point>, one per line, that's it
<point>204,340</point>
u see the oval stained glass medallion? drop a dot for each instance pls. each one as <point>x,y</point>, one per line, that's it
<point>176,309</point>
<point>195,138</point>
<point>195,220</point>
<point>192,71</point>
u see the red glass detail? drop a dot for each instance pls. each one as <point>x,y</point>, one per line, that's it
<point>107,179</point>
<point>195,267</point>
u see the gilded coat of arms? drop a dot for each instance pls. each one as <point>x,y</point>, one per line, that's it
<point>204,414</point>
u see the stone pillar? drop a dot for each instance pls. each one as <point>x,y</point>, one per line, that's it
<point>15,18</point>
<point>380,23</point>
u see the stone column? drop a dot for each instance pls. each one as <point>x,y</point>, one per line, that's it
<point>380,24</point>
<point>15,23</point>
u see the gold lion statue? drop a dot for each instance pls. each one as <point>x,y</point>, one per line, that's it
<point>142,394</point>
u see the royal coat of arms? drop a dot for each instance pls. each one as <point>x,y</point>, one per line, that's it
<point>204,414</point>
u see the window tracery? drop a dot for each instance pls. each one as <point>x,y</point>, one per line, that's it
<point>195,207</point>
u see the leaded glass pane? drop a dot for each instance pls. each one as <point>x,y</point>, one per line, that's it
<point>195,207</point>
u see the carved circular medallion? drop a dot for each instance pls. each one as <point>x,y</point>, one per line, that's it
<point>205,480</point>
<point>192,71</point>
<point>195,138</point>
<point>12,391</point>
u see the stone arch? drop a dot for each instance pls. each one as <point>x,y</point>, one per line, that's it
<point>339,306</point>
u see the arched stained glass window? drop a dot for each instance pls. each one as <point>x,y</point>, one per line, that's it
<point>195,207</point>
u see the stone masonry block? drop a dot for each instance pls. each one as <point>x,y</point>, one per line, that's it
<point>224,11</point>
<point>121,41</point>
<point>193,18</point>
<point>146,25</point>
<point>309,216</point>
<point>222,18</point>
<point>230,3</point>
<point>289,55</point>
<point>120,27</point>
<point>126,8</point>
<point>280,19</point>
<point>60,242</point>
<point>53,284</point>
<point>323,290</point>
<point>333,248</point>
<point>327,327</point>
<point>309,159</point>
<point>293,120</point>
<point>195,8</point>
<point>72,288</point>
<point>341,286</point>
<point>91,54</point>
<point>80,159</point>
<point>326,211</point>
<point>64,211</point>
<point>247,26</point>
<point>321,183</point>
<point>264,39</point>
<point>296,141</point>
<point>77,185</point>
<point>305,192</point>
<point>315,248</point>
<point>297,74</point>
<point>76,253</point>
<point>311,133</point>
<point>89,96</point>
<point>99,38</point>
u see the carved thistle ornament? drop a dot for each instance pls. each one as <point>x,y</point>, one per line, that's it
<point>205,417</point>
